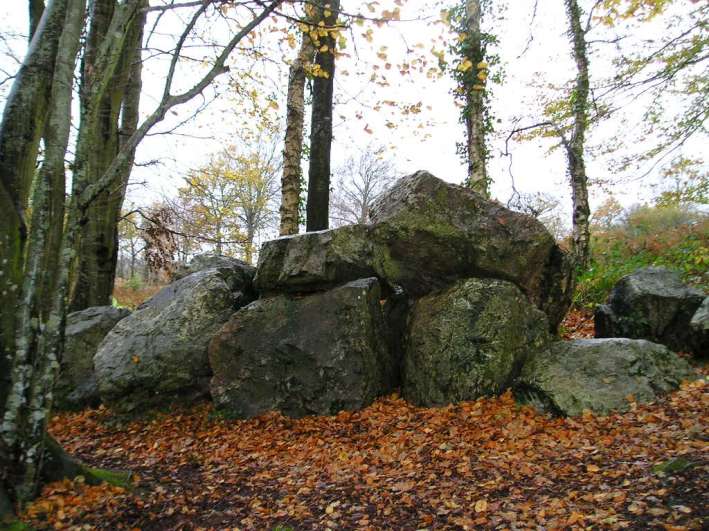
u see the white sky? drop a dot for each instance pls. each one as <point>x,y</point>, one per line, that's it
<point>431,148</point>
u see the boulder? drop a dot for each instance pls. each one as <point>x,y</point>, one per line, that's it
<point>315,261</point>
<point>159,353</point>
<point>302,355</point>
<point>211,261</point>
<point>599,375</point>
<point>426,234</point>
<point>700,326</point>
<point>76,386</point>
<point>654,304</point>
<point>468,341</point>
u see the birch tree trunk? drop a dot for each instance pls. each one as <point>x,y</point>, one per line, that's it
<point>581,234</point>
<point>20,132</point>
<point>36,354</point>
<point>35,343</point>
<point>475,101</point>
<point>108,114</point>
<point>293,145</point>
<point>318,211</point>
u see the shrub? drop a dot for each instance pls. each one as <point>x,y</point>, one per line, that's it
<point>674,237</point>
<point>135,283</point>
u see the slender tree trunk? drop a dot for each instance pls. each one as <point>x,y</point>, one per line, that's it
<point>36,8</point>
<point>475,95</point>
<point>581,233</point>
<point>108,116</point>
<point>293,145</point>
<point>318,205</point>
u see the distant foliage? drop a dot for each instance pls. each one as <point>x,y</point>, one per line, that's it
<point>671,236</point>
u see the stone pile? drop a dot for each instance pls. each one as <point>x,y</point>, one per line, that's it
<point>445,295</point>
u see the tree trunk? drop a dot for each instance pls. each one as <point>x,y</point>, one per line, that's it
<point>21,128</point>
<point>293,145</point>
<point>581,233</point>
<point>37,351</point>
<point>108,117</point>
<point>475,100</point>
<point>318,205</point>
<point>36,10</point>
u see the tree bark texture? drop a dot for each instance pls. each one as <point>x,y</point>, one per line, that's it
<point>318,212</point>
<point>110,99</point>
<point>475,101</point>
<point>20,132</point>
<point>293,145</point>
<point>36,8</point>
<point>575,146</point>
<point>37,347</point>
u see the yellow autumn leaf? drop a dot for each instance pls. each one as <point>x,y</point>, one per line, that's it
<point>481,506</point>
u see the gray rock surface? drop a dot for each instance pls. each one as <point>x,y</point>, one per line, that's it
<point>211,261</point>
<point>315,261</point>
<point>599,375</point>
<point>302,355</point>
<point>654,304</point>
<point>426,234</point>
<point>700,326</point>
<point>76,386</point>
<point>468,341</point>
<point>159,353</point>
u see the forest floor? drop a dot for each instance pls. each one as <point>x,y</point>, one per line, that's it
<point>488,464</point>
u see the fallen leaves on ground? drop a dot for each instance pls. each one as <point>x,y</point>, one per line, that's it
<point>485,464</point>
<point>578,324</point>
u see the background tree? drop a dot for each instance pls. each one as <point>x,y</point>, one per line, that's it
<point>321,118</point>
<point>295,121</point>
<point>130,244</point>
<point>470,71</point>
<point>110,98</point>
<point>360,180</point>
<point>231,200</point>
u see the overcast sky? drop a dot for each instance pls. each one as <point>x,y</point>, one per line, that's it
<point>426,142</point>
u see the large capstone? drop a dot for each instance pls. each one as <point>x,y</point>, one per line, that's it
<point>426,234</point>
<point>302,355</point>
<point>468,341</point>
<point>653,304</point>
<point>76,386</point>
<point>315,261</point>
<point>159,353</point>
<point>600,375</point>
<point>211,261</point>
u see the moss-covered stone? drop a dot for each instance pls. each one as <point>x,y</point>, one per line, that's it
<point>654,304</point>
<point>599,375</point>
<point>76,387</point>
<point>672,466</point>
<point>468,341</point>
<point>158,355</point>
<point>302,355</point>
<point>426,234</point>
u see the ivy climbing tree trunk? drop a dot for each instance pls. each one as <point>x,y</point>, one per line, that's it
<point>575,145</point>
<point>318,203</point>
<point>293,145</point>
<point>474,87</point>
<point>110,95</point>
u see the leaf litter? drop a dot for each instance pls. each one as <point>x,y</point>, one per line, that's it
<point>487,464</point>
